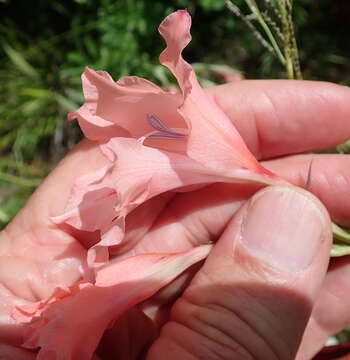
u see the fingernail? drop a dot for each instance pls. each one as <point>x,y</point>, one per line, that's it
<point>284,227</point>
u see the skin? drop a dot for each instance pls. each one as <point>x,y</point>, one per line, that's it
<point>279,120</point>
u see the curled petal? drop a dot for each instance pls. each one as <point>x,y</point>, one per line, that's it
<point>94,308</point>
<point>213,140</point>
<point>138,174</point>
<point>90,210</point>
<point>103,199</point>
<point>119,108</point>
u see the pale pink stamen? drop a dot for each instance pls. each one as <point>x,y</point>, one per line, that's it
<point>163,131</point>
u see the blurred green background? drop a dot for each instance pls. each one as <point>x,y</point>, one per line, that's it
<point>45,45</point>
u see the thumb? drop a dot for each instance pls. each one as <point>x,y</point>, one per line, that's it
<point>254,294</point>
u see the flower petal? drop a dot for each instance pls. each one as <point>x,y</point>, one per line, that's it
<point>93,308</point>
<point>213,139</point>
<point>138,174</point>
<point>102,200</point>
<point>93,209</point>
<point>119,108</point>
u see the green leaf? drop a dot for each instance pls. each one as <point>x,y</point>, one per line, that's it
<point>160,73</point>
<point>66,103</point>
<point>20,181</point>
<point>4,217</point>
<point>21,63</point>
<point>37,93</point>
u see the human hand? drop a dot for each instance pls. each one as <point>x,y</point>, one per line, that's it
<point>240,304</point>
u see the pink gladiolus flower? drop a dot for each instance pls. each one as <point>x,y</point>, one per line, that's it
<point>92,308</point>
<point>156,142</point>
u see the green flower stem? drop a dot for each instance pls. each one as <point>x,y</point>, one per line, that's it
<point>255,10</point>
<point>289,68</point>
<point>287,43</point>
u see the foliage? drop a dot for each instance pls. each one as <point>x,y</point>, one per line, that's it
<point>276,33</point>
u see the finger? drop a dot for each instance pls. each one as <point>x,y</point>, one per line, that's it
<point>279,117</point>
<point>36,257</point>
<point>272,116</point>
<point>32,246</point>
<point>9,352</point>
<point>254,295</point>
<point>199,217</point>
<point>192,219</point>
<point>331,312</point>
<point>51,197</point>
<point>329,180</point>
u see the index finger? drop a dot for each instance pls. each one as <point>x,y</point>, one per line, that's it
<point>274,117</point>
<point>282,117</point>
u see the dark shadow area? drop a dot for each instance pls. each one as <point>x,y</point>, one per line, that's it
<point>334,352</point>
<point>127,341</point>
